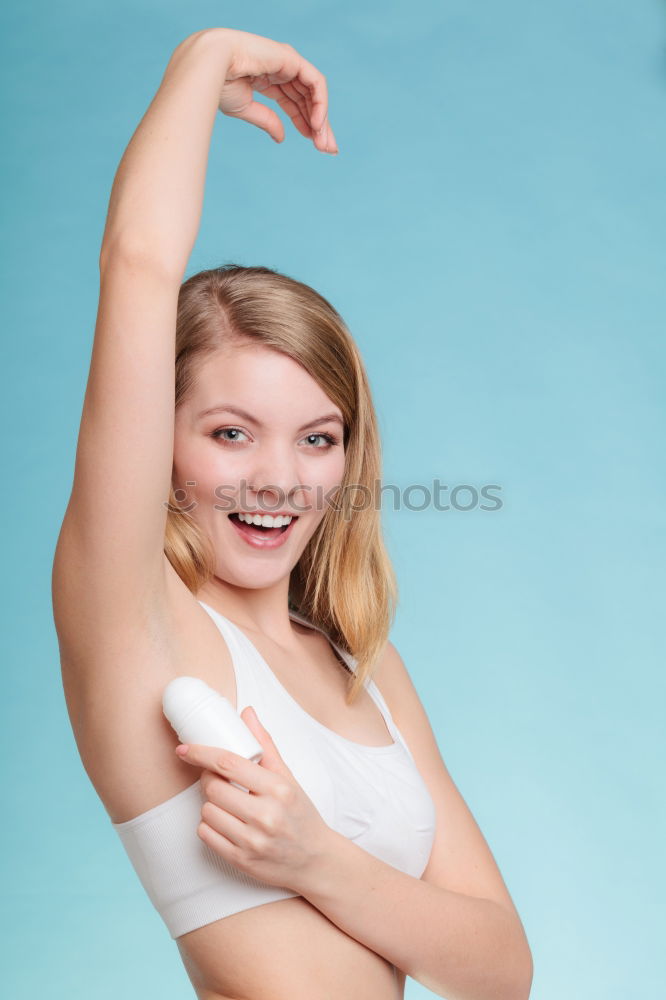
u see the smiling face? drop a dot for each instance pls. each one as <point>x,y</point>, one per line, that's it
<point>266,450</point>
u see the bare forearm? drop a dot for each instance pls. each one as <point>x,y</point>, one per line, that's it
<point>461,947</point>
<point>157,195</point>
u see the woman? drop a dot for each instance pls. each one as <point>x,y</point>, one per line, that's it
<point>347,858</point>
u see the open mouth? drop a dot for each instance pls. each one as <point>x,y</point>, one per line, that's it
<point>261,530</point>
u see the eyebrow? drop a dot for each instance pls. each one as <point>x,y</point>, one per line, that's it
<point>237,411</point>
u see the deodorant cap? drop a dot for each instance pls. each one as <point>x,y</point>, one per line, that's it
<point>182,696</point>
<point>200,714</point>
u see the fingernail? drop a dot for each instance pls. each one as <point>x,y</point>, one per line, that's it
<point>182,749</point>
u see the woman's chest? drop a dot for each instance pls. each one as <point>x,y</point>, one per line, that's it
<point>315,683</point>
<point>308,678</point>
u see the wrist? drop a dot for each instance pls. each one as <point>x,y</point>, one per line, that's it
<point>217,40</point>
<point>209,45</point>
<point>313,876</point>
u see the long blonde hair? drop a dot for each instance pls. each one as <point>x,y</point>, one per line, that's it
<point>344,582</point>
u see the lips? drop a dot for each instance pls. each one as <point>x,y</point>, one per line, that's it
<point>259,537</point>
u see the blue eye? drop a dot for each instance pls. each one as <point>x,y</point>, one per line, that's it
<point>227,430</point>
<point>328,438</point>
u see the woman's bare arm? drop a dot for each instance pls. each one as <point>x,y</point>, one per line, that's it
<point>109,563</point>
<point>157,194</point>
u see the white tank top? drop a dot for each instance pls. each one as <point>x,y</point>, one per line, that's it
<point>373,795</point>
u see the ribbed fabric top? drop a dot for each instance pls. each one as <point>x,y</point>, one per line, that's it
<point>374,795</point>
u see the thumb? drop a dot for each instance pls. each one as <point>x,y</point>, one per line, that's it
<point>271,757</point>
<point>263,117</point>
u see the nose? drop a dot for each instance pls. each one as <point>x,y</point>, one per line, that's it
<point>273,484</point>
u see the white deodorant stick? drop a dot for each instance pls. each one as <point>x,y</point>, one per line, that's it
<point>199,714</point>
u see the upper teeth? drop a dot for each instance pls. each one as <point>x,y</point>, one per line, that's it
<point>265,520</point>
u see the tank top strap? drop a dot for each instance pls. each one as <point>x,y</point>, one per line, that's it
<point>370,685</point>
<point>225,627</point>
<point>380,701</point>
<point>242,663</point>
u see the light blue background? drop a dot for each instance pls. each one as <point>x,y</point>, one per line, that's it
<point>493,233</point>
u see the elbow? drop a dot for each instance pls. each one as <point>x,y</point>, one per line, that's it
<point>136,255</point>
<point>518,969</point>
<point>523,974</point>
<point>529,976</point>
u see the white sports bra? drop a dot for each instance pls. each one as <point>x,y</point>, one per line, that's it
<point>374,795</point>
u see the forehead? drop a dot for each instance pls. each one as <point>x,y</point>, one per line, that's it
<point>259,379</point>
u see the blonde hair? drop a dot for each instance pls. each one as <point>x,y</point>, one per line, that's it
<point>344,582</point>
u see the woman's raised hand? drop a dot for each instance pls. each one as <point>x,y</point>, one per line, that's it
<point>275,70</point>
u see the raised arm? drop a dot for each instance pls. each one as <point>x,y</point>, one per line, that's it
<point>109,561</point>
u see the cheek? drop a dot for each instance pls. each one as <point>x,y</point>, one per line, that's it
<point>203,468</point>
<point>329,482</point>
<point>337,471</point>
<point>190,492</point>
<point>332,466</point>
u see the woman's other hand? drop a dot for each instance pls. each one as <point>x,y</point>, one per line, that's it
<point>275,70</point>
<point>275,833</point>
